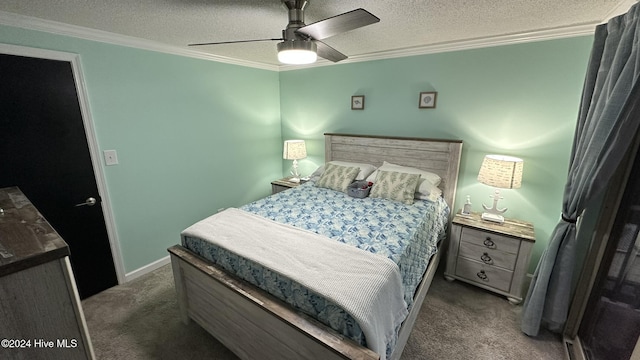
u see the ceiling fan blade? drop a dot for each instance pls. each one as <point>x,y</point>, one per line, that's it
<point>338,24</point>
<point>233,42</point>
<point>327,52</point>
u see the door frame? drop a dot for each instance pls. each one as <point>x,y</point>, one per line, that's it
<point>593,259</point>
<point>92,141</point>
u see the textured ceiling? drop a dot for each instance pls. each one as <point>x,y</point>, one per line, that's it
<point>404,24</point>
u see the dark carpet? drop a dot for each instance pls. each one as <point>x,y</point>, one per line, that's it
<point>139,320</point>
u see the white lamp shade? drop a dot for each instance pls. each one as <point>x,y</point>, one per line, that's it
<point>294,150</point>
<point>501,171</point>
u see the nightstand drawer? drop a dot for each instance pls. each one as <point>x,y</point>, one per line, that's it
<point>490,240</point>
<point>484,274</point>
<point>487,256</point>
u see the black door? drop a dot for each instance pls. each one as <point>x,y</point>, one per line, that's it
<point>44,151</point>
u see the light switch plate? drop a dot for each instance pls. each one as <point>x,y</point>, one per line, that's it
<point>110,157</point>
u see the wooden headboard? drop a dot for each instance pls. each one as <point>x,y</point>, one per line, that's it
<point>439,156</point>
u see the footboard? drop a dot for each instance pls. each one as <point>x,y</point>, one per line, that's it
<point>256,325</point>
<point>250,322</point>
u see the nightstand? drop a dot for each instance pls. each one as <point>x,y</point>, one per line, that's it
<point>283,184</point>
<point>490,255</point>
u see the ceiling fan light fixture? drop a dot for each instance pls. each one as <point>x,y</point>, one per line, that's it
<point>297,52</point>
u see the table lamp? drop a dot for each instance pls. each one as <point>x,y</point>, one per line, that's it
<point>501,172</point>
<point>294,150</point>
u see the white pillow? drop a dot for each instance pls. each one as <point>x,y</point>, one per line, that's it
<point>365,169</point>
<point>427,185</point>
<point>427,175</point>
<point>432,194</point>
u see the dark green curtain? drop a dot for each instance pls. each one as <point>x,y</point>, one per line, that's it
<point>607,123</point>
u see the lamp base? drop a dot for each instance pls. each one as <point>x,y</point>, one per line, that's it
<point>295,175</point>
<point>493,217</point>
<point>494,214</point>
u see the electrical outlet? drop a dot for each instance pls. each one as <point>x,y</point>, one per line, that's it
<point>110,157</point>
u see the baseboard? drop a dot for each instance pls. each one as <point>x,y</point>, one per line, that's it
<point>147,268</point>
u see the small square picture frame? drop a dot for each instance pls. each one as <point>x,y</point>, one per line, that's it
<point>357,102</point>
<point>427,100</point>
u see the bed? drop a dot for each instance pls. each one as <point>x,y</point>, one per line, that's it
<point>254,323</point>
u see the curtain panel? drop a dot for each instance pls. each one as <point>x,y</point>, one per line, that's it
<point>608,120</point>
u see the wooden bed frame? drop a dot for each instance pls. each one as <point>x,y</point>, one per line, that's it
<point>256,325</point>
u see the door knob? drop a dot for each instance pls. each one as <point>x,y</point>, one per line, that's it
<point>89,202</point>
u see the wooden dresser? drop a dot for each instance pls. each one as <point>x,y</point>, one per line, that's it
<point>40,308</point>
<point>490,255</point>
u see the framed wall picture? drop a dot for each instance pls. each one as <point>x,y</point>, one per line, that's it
<point>427,100</point>
<point>357,102</point>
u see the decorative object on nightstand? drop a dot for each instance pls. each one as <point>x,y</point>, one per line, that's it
<point>466,208</point>
<point>490,255</point>
<point>294,150</point>
<point>499,171</point>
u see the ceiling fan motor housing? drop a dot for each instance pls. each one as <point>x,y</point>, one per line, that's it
<point>297,48</point>
<point>304,45</point>
<point>296,19</point>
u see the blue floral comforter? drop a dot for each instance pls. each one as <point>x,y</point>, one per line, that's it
<point>406,234</point>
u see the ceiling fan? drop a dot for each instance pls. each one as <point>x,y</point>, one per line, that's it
<point>301,43</point>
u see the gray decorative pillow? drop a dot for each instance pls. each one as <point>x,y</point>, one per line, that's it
<point>337,177</point>
<point>396,186</point>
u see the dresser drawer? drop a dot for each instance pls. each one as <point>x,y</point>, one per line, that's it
<point>484,274</point>
<point>490,240</point>
<point>488,256</point>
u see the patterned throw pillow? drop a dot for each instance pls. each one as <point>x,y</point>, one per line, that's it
<point>337,177</point>
<point>395,186</point>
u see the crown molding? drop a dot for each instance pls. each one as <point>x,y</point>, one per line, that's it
<point>54,27</point>
<point>511,39</point>
<point>32,23</point>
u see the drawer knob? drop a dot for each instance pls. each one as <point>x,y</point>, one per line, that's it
<point>486,259</point>
<point>489,243</point>
<point>482,275</point>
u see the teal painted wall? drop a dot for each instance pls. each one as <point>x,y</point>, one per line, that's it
<point>176,121</point>
<point>192,136</point>
<point>519,100</point>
